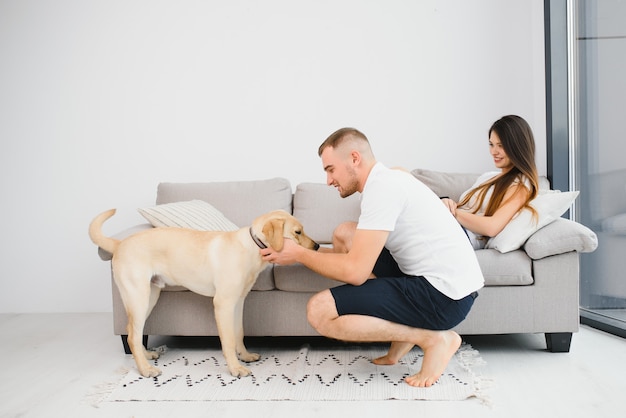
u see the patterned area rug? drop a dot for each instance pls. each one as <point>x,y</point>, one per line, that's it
<point>304,373</point>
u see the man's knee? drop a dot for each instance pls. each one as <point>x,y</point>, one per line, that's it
<point>342,236</point>
<point>320,309</point>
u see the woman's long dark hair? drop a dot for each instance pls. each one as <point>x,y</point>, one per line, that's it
<point>519,144</point>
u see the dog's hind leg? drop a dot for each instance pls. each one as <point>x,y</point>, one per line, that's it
<point>155,292</point>
<point>139,298</point>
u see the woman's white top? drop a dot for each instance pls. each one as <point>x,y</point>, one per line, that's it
<point>479,241</point>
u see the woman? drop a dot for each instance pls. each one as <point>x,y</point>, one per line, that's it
<point>496,197</point>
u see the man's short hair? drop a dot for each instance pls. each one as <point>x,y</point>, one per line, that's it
<point>339,136</point>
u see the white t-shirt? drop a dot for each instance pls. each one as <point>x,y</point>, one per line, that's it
<point>480,180</point>
<point>479,241</point>
<point>424,238</point>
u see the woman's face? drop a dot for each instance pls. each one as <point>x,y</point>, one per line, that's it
<point>500,159</point>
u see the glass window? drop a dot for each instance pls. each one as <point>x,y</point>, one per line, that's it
<point>600,160</point>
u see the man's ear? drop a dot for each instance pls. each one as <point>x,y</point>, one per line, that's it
<point>273,231</point>
<point>355,157</point>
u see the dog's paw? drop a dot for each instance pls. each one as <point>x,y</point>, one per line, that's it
<point>239,371</point>
<point>150,371</point>
<point>248,357</point>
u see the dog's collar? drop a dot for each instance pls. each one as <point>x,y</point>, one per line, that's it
<point>256,240</point>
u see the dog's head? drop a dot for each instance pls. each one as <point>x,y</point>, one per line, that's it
<point>273,227</point>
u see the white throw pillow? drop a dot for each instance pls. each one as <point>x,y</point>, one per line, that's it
<point>194,214</point>
<point>549,204</point>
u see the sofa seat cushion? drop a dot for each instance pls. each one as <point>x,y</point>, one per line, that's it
<point>509,269</point>
<point>298,278</point>
<point>264,282</point>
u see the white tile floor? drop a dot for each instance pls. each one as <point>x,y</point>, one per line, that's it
<point>53,361</point>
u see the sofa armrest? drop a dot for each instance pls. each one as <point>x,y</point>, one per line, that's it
<point>561,236</point>
<point>105,255</point>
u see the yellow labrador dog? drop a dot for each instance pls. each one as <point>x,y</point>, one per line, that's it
<point>220,264</point>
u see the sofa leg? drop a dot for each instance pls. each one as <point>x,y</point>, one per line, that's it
<point>558,342</point>
<point>127,347</point>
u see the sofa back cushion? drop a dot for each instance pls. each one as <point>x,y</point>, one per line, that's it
<point>320,209</point>
<point>239,201</point>
<point>454,184</point>
<point>446,184</point>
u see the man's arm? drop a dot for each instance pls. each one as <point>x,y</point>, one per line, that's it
<point>354,267</point>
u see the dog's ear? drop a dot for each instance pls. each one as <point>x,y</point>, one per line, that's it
<point>273,231</point>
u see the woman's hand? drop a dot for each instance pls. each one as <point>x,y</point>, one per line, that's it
<point>450,204</point>
<point>490,226</point>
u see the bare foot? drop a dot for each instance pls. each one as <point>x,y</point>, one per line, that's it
<point>436,358</point>
<point>397,350</point>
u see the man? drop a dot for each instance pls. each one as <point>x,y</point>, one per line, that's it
<point>426,272</point>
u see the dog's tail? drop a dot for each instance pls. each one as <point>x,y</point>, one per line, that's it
<point>96,235</point>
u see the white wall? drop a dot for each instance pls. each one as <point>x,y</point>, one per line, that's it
<point>102,100</point>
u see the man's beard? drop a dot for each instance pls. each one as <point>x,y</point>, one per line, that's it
<point>351,187</point>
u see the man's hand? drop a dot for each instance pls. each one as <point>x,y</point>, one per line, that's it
<point>288,255</point>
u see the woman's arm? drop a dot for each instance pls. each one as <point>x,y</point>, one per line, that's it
<point>490,226</point>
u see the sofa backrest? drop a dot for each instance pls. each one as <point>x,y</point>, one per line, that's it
<point>446,184</point>
<point>239,201</point>
<point>320,209</point>
<point>454,184</point>
<point>317,205</point>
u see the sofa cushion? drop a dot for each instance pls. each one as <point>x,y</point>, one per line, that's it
<point>561,236</point>
<point>194,214</point>
<point>511,269</point>
<point>239,201</point>
<point>549,204</point>
<point>298,278</point>
<point>443,184</point>
<point>320,209</point>
<point>454,185</point>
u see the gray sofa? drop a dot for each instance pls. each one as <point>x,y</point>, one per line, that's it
<point>531,290</point>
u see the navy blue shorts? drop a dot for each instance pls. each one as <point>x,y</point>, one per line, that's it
<point>396,297</point>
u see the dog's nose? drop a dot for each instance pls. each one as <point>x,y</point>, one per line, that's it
<point>316,246</point>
